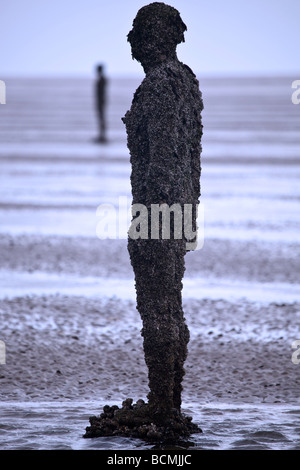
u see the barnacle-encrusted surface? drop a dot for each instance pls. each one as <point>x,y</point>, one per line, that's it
<point>164,139</point>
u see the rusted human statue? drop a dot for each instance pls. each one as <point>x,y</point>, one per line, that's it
<point>164,139</point>
<point>164,132</point>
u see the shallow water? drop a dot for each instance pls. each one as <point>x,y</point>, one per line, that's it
<point>16,283</point>
<point>61,425</point>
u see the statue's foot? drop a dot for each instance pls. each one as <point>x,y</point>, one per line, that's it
<point>136,420</point>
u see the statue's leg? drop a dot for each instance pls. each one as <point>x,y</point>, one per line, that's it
<point>102,122</point>
<point>180,358</point>
<point>184,336</point>
<point>159,267</point>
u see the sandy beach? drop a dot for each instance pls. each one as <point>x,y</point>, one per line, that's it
<point>75,346</point>
<point>64,291</point>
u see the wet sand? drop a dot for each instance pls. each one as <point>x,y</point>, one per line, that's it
<point>80,347</point>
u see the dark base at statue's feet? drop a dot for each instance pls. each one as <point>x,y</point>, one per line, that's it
<point>134,420</point>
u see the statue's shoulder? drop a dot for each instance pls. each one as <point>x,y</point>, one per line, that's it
<point>167,70</point>
<point>170,72</point>
<point>188,70</point>
<point>163,77</point>
<point>169,82</point>
<point>189,74</point>
<point>155,85</point>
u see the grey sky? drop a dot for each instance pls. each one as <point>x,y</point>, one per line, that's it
<point>43,37</point>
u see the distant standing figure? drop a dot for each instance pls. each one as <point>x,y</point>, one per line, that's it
<point>101,85</point>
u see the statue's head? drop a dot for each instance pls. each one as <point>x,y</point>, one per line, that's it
<point>157,29</point>
<point>100,69</point>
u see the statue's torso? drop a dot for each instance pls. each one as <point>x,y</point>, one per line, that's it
<point>164,136</point>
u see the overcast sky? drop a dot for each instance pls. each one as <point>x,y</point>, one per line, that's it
<point>47,37</point>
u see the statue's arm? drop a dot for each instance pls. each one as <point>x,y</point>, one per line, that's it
<point>162,140</point>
